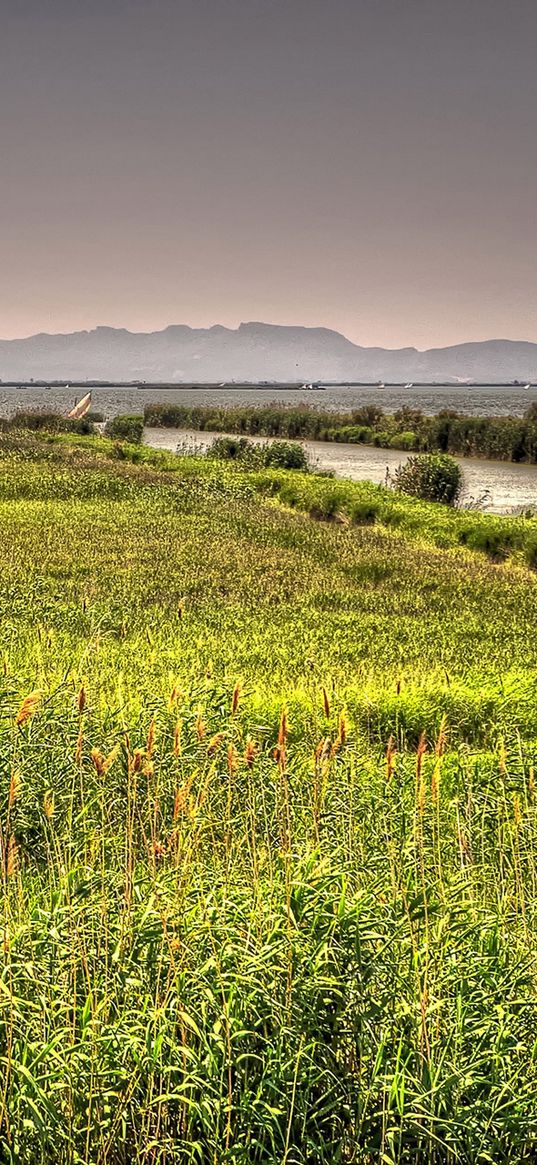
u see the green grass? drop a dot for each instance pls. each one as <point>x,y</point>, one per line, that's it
<point>232,935</point>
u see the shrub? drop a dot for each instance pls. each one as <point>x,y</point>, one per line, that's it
<point>285,455</point>
<point>354,434</point>
<point>405,440</point>
<point>236,449</point>
<point>129,429</point>
<point>273,455</point>
<point>369,415</point>
<point>433,477</point>
<point>43,420</point>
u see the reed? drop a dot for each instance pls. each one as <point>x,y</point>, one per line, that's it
<point>268,826</point>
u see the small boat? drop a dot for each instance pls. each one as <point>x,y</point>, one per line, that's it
<point>81,408</point>
<point>409,385</point>
<point>527,386</point>
<point>381,384</point>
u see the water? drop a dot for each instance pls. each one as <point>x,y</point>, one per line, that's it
<point>490,400</point>
<point>508,487</point>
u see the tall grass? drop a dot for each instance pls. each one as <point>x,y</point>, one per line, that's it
<point>499,438</point>
<point>267,827</point>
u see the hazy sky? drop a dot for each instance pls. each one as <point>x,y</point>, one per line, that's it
<point>368,165</point>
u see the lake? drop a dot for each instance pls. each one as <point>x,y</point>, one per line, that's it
<point>491,400</point>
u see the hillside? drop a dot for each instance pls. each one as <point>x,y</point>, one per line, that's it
<point>268,820</point>
<point>254,351</point>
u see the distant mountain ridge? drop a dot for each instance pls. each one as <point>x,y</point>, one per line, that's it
<point>252,352</point>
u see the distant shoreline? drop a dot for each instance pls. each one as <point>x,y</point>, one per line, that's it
<point>263,386</point>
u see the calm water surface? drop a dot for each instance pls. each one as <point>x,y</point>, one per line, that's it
<point>485,401</point>
<point>508,487</point>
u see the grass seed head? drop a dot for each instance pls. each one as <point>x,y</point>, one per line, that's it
<point>175,695</point>
<point>232,758</point>
<point>342,732</point>
<point>214,743</point>
<point>48,805</point>
<point>15,784</point>
<point>236,697</point>
<point>28,707</point>
<point>12,862</point>
<point>200,726</point>
<point>326,704</point>
<point>250,752</point>
<point>517,813</point>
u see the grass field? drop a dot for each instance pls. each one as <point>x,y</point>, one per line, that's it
<point>268,820</point>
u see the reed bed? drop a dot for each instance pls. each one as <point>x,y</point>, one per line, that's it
<point>267,829</point>
<point>500,438</point>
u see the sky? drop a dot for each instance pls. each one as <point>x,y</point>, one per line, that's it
<point>364,165</point>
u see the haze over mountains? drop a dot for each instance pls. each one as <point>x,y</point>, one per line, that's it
<point>252,352</point>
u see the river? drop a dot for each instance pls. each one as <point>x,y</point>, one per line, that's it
<point>509,487</point>
<point>506,486</point>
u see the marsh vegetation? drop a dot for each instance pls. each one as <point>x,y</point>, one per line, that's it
<point>268,816</point>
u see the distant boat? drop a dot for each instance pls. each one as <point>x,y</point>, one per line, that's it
<point>81,408</point>
<point>527,386</point>
<point>409,385</point>
<point>381,384</point>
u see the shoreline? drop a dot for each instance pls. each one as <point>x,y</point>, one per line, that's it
<point>511,485</point>
<point>252,385</point>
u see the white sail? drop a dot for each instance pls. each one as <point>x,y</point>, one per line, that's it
<point>81,408</point>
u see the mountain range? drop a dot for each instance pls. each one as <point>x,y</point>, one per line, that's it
<point>253,352</point>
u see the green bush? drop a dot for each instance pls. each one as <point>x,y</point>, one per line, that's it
<point>273,455</point>
<point>285,455</point>
<point>405,440</point>
<point>354,434</point>
<point>236,449</point>
<point>432,477</point>
<point>126,428</point>
<point>44,420</point>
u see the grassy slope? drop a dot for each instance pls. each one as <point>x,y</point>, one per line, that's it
<point>229,955</point>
